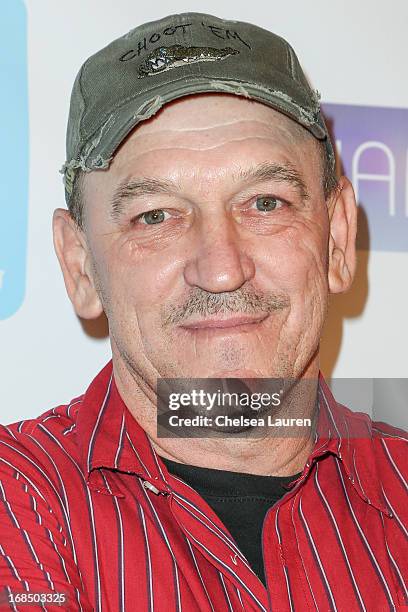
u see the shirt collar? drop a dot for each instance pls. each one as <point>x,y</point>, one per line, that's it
<point>109,437</point>
<point>349,436</point>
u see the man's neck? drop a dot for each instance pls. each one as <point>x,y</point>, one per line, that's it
<point>266,455</point>
<point>270,457</point>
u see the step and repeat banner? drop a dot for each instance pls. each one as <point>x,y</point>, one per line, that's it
<point>355,55</point>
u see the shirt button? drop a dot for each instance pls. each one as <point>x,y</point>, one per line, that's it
<point>151,487</point>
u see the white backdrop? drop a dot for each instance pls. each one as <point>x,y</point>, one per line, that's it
<point>353,52</point>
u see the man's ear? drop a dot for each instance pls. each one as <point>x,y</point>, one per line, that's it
<point>342,209</point>
<point>75,261</point>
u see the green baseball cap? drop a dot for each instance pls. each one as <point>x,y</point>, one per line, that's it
<point>129,80</point>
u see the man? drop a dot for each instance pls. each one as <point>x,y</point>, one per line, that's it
<point>206,221</point>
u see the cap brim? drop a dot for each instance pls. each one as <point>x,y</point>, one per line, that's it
<point>121,122</point>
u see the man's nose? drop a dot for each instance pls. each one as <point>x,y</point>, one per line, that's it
<point>218,259</point>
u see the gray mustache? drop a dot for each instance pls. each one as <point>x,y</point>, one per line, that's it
<point>203,303</point>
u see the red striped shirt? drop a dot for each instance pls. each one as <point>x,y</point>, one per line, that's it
<point>89,509</point>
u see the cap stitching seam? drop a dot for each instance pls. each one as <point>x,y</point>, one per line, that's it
<point>292,66</point>
<point>82,99</point>
<point>289,59</point>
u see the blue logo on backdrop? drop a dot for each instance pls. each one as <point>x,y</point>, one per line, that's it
<point>13,156</point>
<point>372,144</point>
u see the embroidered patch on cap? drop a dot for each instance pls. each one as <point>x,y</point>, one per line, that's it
<point>166,58</point>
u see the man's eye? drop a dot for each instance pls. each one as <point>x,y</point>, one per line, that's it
<point>151,217</point>
<point>267,203</point>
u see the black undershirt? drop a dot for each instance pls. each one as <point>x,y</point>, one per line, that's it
<point>240,500</point>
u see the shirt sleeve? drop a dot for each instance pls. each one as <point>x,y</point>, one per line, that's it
<point>37,557</point>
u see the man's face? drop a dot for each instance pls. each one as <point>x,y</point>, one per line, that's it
<point>211,211</point>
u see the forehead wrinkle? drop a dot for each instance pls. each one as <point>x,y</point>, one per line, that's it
<point>197,137</point>
<point>190,146</point>
<point>219,144</point>
<point>142,130</point>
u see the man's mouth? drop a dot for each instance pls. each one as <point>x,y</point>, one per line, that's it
<point>240,323</point>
